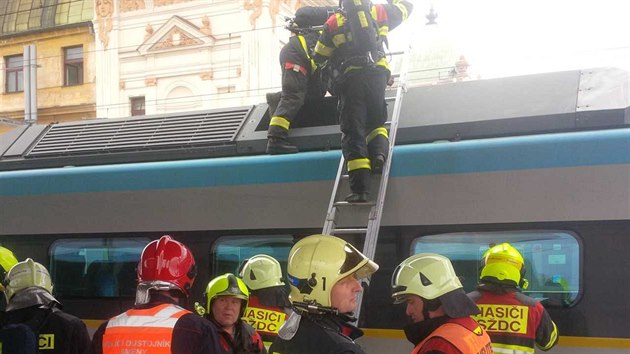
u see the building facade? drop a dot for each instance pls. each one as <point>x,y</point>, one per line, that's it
<point>161,56</point>
<point>62,34</point>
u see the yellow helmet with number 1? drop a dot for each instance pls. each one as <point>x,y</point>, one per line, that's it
<point>318,262</point>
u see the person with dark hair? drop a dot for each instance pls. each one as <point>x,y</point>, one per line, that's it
<point>501,302</point>
<point>438,306</point>
<point>166,273</point>
<point>225,301</point>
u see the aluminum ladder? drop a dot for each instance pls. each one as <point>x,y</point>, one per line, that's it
<point>371,211</point>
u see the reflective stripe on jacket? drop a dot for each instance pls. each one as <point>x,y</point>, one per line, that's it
<point>142,329</point>
<point>266,320</point>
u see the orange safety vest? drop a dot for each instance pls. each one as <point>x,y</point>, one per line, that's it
<point>142,329</point>
<point>462,338</point>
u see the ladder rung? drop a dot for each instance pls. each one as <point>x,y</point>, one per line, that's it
<point>344,203</point>
<point>362,230</point>
<point>388,99</point>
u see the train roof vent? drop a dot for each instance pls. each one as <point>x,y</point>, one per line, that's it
<point>194,129</point>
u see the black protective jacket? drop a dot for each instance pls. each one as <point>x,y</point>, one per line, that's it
<point>59,332</point>
<point>320,334</point>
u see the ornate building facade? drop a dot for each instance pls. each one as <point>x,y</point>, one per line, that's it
<point>161,56</point>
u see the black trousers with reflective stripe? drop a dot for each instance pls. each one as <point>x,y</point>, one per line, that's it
<point>363,109</point>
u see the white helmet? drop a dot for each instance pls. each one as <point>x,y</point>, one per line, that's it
<point>261,271</point>
<point>27,274</point>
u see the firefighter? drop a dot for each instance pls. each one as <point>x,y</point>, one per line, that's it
<point>438,307</point>
<point>268,298</point>
<point>225,301</point>
<point>166,273</point>
<point>361,85</point>
<point>324,274</point>
<point>516,322</point>
<point>28,291</point>
<point>301,81</point>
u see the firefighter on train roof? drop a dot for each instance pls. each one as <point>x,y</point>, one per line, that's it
<point>302,81</point>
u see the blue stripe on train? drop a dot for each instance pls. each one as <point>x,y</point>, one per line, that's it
<point>483,155</point>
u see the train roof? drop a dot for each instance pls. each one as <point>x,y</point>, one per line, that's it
<point>543,103</point>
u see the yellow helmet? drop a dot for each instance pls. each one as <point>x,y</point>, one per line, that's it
<point>225,285</point>
<point>7,261</point>
<point>427,275</point>
<point>24,275</point>
<point>261,271</point>
<point>318,262</point>
<point>504,263</point>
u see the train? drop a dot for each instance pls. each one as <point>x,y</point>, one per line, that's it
<point>540,161</point>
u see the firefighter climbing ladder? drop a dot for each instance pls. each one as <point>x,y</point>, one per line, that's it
<point>372,211</point>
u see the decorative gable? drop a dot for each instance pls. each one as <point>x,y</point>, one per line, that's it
<point>175,34</point>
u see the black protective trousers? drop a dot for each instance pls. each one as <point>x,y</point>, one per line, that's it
<point>363,109</point>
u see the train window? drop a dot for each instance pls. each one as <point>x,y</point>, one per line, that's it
<point>95,267</point>
<point>229,252</point>
<point>552,260</point>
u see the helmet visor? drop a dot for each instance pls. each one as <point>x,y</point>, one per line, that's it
<point>355,262</point>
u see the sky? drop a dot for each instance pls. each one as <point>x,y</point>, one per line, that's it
<point>508,37</point>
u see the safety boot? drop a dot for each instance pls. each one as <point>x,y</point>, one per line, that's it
<point>276,146</point>
<point>357,197</point>
<point>377,164</point>
<point>359,185</point>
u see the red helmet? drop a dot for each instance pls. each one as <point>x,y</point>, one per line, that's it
<point>167,262</point>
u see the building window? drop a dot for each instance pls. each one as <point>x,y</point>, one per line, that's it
<point>137,106</point>
<point>73,66</point>
<point>14,73</point>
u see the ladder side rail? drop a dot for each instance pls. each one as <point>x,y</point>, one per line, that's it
<point>374,222</point>
<point>329,223</point>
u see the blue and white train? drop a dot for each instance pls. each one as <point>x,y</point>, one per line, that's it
<point>540,161</point>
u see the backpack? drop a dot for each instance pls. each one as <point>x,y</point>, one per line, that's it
<point>362,27</point>
<point>313,16</point>
<point>18,339</point>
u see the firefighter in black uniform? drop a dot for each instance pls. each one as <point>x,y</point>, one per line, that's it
<point>301,81</point>
<point>28,289</point>
<point>361,87</point>
<point>324,273</point>
<point>268,298</point>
